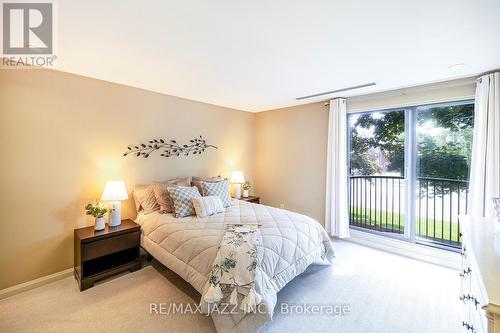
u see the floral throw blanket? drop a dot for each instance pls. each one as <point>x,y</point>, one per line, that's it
<point>232,279</point>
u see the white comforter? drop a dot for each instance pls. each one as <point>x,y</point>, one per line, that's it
<point>188,246</point>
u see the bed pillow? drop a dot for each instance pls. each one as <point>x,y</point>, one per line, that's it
<point>196,181</point>
<point>144,198</point>
<point>182,200</point>
<point>220,189</point>
<point>161,193</point>
<point>206,206</point>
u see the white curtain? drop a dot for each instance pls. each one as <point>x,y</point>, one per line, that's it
<point>485,164</point>
<point>336,219</point>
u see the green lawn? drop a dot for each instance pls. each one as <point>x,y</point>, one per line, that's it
<point>435,228</point>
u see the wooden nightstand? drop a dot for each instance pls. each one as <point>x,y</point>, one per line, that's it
<point>99,254</point>
<point>252,198</point>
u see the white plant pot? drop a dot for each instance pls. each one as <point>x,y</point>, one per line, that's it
<point>99,223</point>
<point>245,193</point>
<point>496,206</point>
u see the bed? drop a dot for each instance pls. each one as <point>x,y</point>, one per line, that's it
<point>188,246</point>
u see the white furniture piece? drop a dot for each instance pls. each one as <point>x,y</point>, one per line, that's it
<point>237,179</point>
<point>115,192</point>
<point>480,275</point>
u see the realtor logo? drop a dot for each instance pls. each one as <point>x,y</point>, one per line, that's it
<point>28,33</point>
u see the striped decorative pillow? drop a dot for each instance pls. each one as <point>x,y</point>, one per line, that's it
<point>206,206</point>
<point>220,189</point>
<point>182,199</point>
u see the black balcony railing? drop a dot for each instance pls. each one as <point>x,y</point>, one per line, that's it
<point>439,203</point>
<point>378,203</point>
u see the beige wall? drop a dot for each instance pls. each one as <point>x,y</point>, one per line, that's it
<point>62,137</point>
<point>291,143</point>
<point>290,158</point>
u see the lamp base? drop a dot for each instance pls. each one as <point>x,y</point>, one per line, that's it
<point>115,216</point>
<point>237,191</point>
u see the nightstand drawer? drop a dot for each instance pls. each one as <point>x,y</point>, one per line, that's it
<point>107,246</point>
<point>252,199</point>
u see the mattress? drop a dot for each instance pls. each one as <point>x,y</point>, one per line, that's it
<point>188,246</point>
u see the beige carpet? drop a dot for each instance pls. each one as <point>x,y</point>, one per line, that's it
<point>385,292</point>
<point>119,305</point>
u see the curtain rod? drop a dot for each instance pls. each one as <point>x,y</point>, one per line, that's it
<point>439,85</point>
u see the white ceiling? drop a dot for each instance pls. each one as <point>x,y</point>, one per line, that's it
<point>260,55</point>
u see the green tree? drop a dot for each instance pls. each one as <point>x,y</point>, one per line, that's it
<point>387,137</point>
<point>445,156</point>
<point>360,161</point>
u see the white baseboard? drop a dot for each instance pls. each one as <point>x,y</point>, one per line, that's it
<point>7,292</point>
<point>416,251</point>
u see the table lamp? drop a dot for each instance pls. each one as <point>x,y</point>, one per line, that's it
<point>114,193</point>
<point>237,179</point>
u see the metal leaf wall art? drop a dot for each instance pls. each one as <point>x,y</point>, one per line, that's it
<point>169,148</point>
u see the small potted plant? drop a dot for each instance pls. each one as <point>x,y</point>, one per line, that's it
<point>97,210</point>
<point>246,187</point>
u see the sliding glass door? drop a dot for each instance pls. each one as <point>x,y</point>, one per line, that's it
<point>408,171</point>
<point>377,186</point>
<point>444,144</point>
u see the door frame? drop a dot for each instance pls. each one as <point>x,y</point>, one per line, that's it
<point>409,169</point>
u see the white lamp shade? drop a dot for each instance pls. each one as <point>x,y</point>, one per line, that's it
<point>237,177</point>
<point>114,191</point>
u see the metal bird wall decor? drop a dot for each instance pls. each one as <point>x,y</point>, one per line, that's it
<point>169,148</point>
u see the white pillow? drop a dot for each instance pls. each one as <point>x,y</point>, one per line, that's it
<point>206,206</point>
